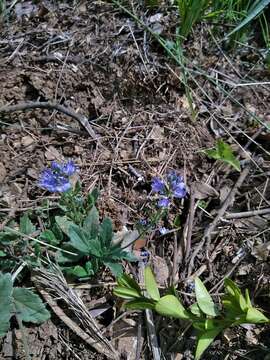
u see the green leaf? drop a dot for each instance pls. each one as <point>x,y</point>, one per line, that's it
<point>126,293</point>
<point>234,299</point>
<point>106,232</point>
<point>151,284</point>
<point>115,268</point>
<point>223,152</point>
<point>204,340</point>
<point>194,308</point>
<point>247,298</point>
<point>49,237</point>
<point>254,11</point>
<point>127,281</point>
<point>204,299</point>
<point>26,226</point>
<point>5,302</point>
<point>7,236</point>
<point>64,223</point>
<point>169,305</point>
<point>254,316</point>
<point>29,306</point>
<point>78,271</point>
<point>140,304</point>
<point>91,222</point>
<point>2,253</point>
<point>78,239</point>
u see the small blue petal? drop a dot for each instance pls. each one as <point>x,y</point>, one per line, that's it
<point>180,191</point>
<point>69,168</point>
<point>164,202</point>
<point>163,230</point>
<point>158,185</point>
<point>56,166</point>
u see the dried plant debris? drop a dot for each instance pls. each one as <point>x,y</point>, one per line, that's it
<point>132,133</point>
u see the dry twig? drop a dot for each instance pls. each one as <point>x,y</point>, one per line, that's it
<point>51,106</point>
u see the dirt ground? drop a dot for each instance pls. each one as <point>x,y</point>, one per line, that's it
<point>93,58</point>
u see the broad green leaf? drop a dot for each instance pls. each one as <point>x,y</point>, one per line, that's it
<point>79,239</point>
<point>5,302</point>
<point>49,237</point>
<point>7,236</point>
<point>151,284</point>
<point>126,293</point>
<point>204,299</point>
<point>140,304</point>
<point>223,152</point>
<point>91,222</point>
<point>79,271</point>
<point>2,253</point>
<point>29,306</point>
<point>247,298</point>
<point>106,232</point>
<point>254,316</point>
<point>254,11</point>
<point>26,226</point>
<point>115,268</point>
<point>127,281</point>
<point>169,305</point>
<point>64,223</point>
<point>204,340</point>
<point>235,298</point>
<point>194,308</point>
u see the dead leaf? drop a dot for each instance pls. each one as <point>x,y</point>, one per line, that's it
<point>52,153</point>
<point>261,251</point>
<point>27,140</point>
<point>161,270</point>
<point>203,191</point>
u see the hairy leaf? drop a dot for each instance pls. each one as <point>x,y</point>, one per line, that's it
<point>91,222</point>
<point>29,306</point>
<point>26,226</point>
<point>5,302</point>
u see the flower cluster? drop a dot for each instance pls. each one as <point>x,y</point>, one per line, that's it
<point>56,178</point>
<point>172,187</point>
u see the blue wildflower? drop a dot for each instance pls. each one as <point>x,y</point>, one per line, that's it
<point>163,202</point>
<point>163,230</point>
<point>69,168</point>
<point>158,185</point>
<point>176,185</point>
<point>56,179</point>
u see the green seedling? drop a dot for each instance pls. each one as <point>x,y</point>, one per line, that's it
<point>93,244</point>
<point>223,152</point>
<point>205,316</point>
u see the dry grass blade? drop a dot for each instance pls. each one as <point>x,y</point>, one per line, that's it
<point>52,283</point>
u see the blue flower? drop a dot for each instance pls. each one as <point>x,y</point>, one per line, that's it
<point>158,185</point>
<point>176,185</point>
<point>69,168</point>
<point>56,179</point>
<point>163,202</point>
<point>163,230</point>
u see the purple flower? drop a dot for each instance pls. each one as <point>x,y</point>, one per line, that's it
<point>177,185</point>
<point>56,179</point>
<point>158,185</point>
<point>163,202</point>
<point>163,230</point>
<point>69,168</point>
